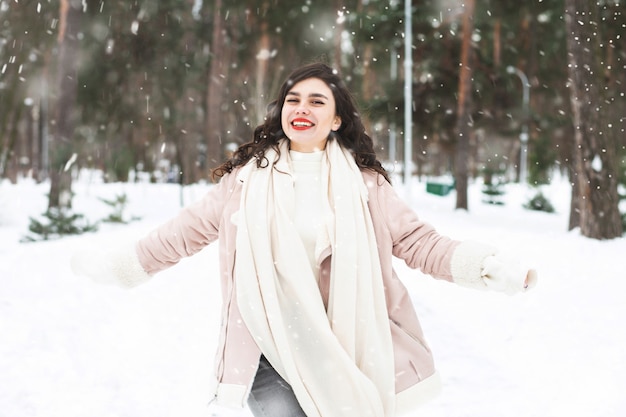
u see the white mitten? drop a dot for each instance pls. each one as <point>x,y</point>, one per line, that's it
<point>506,274</point>
<point>118,266</point>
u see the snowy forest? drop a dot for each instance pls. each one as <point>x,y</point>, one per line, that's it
<point>509,117</point>
<point>501,89</point>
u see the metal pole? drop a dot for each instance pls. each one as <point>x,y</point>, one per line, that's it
<point>523,137</point>
<point>408,92</point>
<point>392,127</point>
<point>44,173</point>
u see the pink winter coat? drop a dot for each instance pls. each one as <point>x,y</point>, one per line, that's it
<point>398,231</point>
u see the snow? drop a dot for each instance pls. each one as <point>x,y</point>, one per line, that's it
<point>73,348</point>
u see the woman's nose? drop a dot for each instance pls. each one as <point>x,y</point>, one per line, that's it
<point>302,109</point>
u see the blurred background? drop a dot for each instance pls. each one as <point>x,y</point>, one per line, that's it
<point>496,90</point>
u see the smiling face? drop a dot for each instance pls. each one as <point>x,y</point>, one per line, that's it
<point>309,115</point>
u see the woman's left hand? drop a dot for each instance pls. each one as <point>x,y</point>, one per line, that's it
<point>505,274</point>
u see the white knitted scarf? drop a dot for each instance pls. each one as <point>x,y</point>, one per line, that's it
<point>339,361</point>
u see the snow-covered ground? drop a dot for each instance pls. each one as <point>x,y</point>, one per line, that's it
<point>72,348</point>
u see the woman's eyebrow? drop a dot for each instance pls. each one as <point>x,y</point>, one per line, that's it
<point>319,95</point>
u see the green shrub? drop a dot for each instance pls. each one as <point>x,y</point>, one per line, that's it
<point>493,187</point>
<point>539,203</point>
<point>58,223</point>
<point>118,204</point>
<point>493,194</point>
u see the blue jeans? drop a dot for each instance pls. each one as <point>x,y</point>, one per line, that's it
<point>271,395</point>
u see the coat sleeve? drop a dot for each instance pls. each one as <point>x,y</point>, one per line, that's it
<point>413,240</point>
<point>420,245</point>
<point>195,227</point>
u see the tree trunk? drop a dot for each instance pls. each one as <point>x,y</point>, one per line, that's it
<point>66,111</point>
<point>369,83</point>
<point>216,90</point>
<point>574,210</point>
<point>595,161</point>
<point>463,108</point>
<point>338,31</point>
<point>262,66</point>
<point>497,44</point>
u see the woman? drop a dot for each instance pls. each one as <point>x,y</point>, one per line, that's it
<point>316,321</point>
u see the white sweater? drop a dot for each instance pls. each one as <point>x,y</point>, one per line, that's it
<point>308,205</point>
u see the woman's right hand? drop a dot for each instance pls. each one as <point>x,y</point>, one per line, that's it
<point>94,264</point>
<point>118,266</point>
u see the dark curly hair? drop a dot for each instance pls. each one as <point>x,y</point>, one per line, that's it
<point>351,134</point>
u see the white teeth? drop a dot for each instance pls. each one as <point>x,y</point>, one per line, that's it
<point>302,124</point>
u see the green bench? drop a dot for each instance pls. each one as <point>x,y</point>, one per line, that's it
<point>440,187</point>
